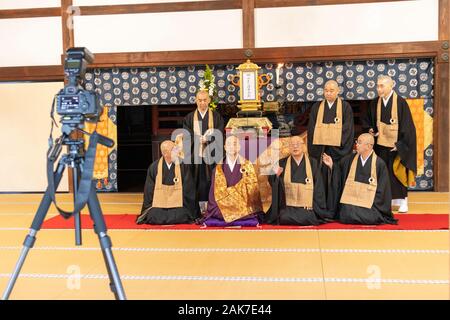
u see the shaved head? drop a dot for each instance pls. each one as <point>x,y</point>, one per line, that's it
<point>331,90</point>
<point>167,145</point>
<point>232,139</point>
<point>202,92</point>
<point>384,86</point>
<point>232,145</point>
<point>367,138</point>
<point>296,146</point>
<point>332,83</point>
<point>296,140</point>
<point>364,144</point>
<point>202,99</point>
<point>386,79</point>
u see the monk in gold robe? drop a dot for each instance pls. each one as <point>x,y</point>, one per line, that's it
<point>234,198</point>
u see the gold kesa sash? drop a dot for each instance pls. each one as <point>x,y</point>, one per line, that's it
<point>388,133</point>
<point>165,196</point>
<point>198,129</point>
<point>358,193</point>
<point>241,199</point>
<point>328,134</point>
<point>299,195</point>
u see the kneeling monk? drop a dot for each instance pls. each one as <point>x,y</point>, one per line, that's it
<point>234,198</point>
<point>169,192</point>
<point>298,196</point>
<point>362,184</point>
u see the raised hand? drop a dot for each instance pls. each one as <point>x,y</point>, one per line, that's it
<point>373,134</point>
<point>278,171</point>
<point>327,160</point>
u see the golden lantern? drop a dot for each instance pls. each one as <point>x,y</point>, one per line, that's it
<point>250,83</point>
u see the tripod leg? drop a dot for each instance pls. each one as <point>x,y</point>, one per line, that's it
<point>77,215</point>
<point>30,239</point>
<point>106,244</point>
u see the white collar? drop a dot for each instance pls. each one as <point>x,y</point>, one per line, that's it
<point>202,114</point>
<point>298,162</point>
<point>386,100</point>
<point>364,161</point>
<point>168,165</point>
<point>330,104</point>
<point>231,164</point>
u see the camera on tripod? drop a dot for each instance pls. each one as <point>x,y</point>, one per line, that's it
<point>73,103</point>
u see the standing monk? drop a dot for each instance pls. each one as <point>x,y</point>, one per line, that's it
<point>200,124</point>
<point>330,132</point>
<point>389,120</point>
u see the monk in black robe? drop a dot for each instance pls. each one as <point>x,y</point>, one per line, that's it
<point>203,125</point>
<point>330,131</point>
<point>361,182</point>
<point>389,120</point>
<point>168,196</point>
<point>298,195</point>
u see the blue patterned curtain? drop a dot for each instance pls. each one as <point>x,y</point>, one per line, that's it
<point>298,82</point>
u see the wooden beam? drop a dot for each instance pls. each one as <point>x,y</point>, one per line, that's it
<point>310,53</point>
<point>37,73</point>
<point>170,58</point>
<point>30,13</point>
<point>67,13</point>
<point>303,3</point>
<point>160,7</point>
<point>172,7</point>
<point>248,23</point>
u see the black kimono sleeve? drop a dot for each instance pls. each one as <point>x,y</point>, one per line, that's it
<point>319,198</point>
<point>348,133</point>
<point>406,143</point>
<point>149,187</point>
<point>369,120</point>
<point>383,197</point>
<point>313,150</point>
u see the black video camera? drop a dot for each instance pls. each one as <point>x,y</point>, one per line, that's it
<point>73,103</point>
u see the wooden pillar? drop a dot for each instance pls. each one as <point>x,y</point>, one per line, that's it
<point>68,42</point>
<point>442,90</point>
<point>248,23</point>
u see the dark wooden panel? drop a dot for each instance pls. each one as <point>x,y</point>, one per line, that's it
<point>441,128</point>
<point>160,7</point>
<point>316,53</point>
<point>301,3</point>
<point>32,73</point>
<point>442,103</point>
<point>30,13</point>
<point>248,23</point>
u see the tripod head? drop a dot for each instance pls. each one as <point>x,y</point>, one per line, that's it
<point>75,105</point>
